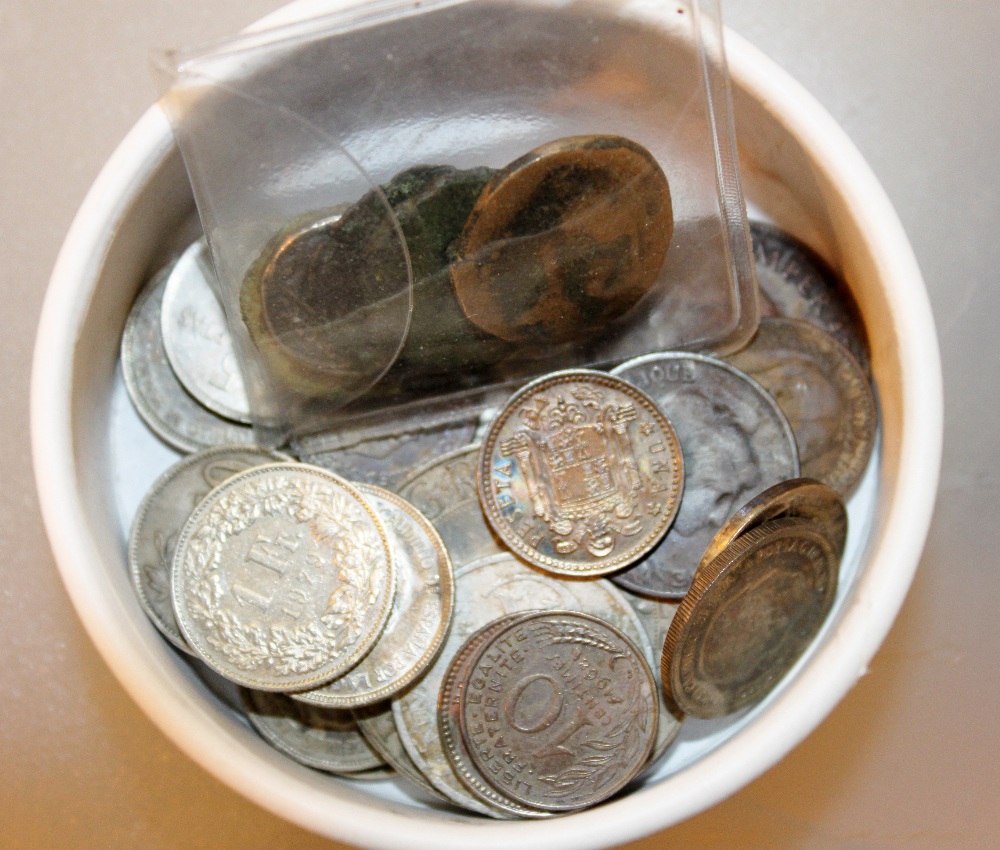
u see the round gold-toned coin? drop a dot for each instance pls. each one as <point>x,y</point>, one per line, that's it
<point>749,616</point>
<point>822,391</point>
<point>559,710</point>
<point>797,497</point>
<point>564,240</point>
<point>580,473</point>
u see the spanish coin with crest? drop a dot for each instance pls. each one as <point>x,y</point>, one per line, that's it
<point>735,441</point>
<point>564,240</point>
<point>750,615</point>
<point>196,337</point>
<point>559,710</point>
<point>580,473</point>
<point>822,391</point>
<point>798,497</point>
<point>486,590</point>
<point>323,738</point>
<point>282,578</point>
<point>795,282</point>
<point>444,491</point>
<point>160,400</point>
<point>421,610</point>
<point>161,516</point>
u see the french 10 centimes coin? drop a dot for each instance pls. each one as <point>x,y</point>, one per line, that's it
<point>282,578</point>
<point>444,490</point>
<point>196,337</point>
<point>749,616</point>
<point>798,497</point>
<point>795,282</point>
<point>735,441</point>
<point>822,391</point>
<point>559,710</point>
<point>160,400</point>
<point>324,738</point>
<point>385,460</point>
<point>486,590</point>
<point>161,516</point>
<point>379,728</point>
<point>564,240</point>
<point>421,610</point>
<point>455,745</point>
<point>580,473</point>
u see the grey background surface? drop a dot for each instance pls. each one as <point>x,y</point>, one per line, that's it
<point>908,758</point>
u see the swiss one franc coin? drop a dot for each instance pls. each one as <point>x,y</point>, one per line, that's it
<point>164,405</point>
<point>750,615</point>
<point>580,473</point>
<point>797,497</point>
<point>444,490</point>
<point>283,577</point>
<point>161,516</point>
<point>565,704</point>
<point>323,738</point>
<point>564,240</point>
<point>795,282</point>
<point>735,441</point>
<point>421,610</point>
<point>196,337</point>
<point>822,391</point>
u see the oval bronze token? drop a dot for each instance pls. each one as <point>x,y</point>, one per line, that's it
<point>749,616</point>
<point>564,240</point>
<point>797,497</point>
<point>580,473</point>
<point>822,391</point>
<point>559,711</point>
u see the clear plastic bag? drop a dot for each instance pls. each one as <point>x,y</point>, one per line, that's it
<point>413,209</point>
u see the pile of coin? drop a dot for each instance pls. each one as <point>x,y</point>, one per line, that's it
<point>510,609</point>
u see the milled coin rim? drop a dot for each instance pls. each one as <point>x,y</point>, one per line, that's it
<point>707,583</point>
<point>672,495</point>
<point>329,672</point>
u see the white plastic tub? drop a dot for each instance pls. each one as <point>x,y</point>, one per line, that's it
<point>93,460</point>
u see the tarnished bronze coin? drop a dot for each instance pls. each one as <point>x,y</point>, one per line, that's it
<point>559,711</point>
<point>580,473</point>
<point>797,497</point>
<point>564,240</point>
<point>749,616</point>
<point>795,282</point>
<point>822,391</point>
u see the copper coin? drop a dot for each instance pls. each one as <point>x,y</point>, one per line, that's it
<point>797,497</point>
<point>559,711</point>
<point>564,240</point>
<point>580,473</point>
<point>822,391</point>
<point>749,616</point>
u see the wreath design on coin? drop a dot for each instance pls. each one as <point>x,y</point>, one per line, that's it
<point>334,519</point>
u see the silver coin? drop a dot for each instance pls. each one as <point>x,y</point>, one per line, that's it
<point>421,610</point>
<point>196,336</point>
<point>486,590</point>
<point>161,516</point>
<point>823,392</point>
<point>385,460</point>
<point>580,473</point>
<point>795,282</point>
<point>445,492</point>
<point>379,728</point>
<point>283,577</point>
<point>323,738</point>
<point>736,442</point>
<point>173,415</point>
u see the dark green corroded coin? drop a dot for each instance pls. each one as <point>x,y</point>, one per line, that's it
<point>328,303</point>
<point>564,240</point>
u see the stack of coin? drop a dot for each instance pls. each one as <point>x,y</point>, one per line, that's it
<point>413,631</point>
